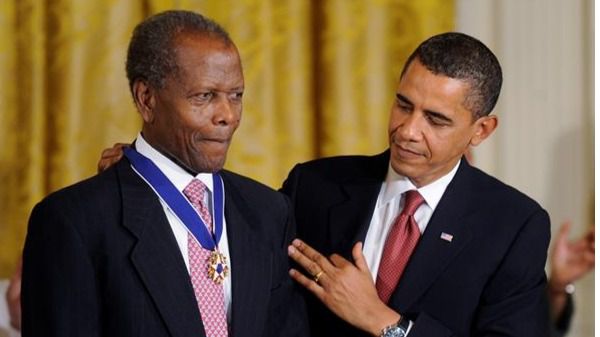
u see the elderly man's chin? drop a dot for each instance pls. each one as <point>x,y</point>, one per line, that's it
<point>207,165</point>
<point>209,160</point>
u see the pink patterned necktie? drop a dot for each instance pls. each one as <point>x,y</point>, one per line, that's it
<point>209,295</point>
<point>399,245</point>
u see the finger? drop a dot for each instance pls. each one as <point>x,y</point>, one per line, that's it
<point>101,166</point>
<point>116,148</point>
<point>105,163</point>
<point>115,151</point>
<point>109,153</point>
<point>339,262</point>
<point>563,232</point>
<point>312,267</point>
<point>590,235</point>
<point>579,245</point>
<point>586,242</point>
<point>359,258</point>
<point>110,156</point>
<point>313,255</point>
<point>307,283</point>
<point>106,153</point>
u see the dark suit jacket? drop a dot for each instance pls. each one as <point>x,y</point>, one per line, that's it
<point>488,281</point>
<point>100,259</point>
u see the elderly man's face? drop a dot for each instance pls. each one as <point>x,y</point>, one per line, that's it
<point>193,117</point>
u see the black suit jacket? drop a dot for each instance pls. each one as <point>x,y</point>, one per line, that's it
<point>488,281</point>
<point>100,259</point>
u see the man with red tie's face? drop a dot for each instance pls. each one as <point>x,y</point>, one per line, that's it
<point>431,125</point>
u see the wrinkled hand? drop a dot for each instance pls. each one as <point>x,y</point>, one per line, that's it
<point>346,288</point>
<point>569,261</point>
<point>110,156</point>
<point>13,297</point>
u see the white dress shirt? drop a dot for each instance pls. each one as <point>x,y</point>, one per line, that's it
<point>390,204</point>
<point>181,178</point>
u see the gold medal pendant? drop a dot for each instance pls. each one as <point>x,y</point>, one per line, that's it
<point>217,267</point>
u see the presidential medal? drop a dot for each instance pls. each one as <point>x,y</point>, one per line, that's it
<point>217,267</point>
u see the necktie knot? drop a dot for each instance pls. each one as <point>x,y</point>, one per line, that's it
<point>413,200</point>
<point>195,191</point>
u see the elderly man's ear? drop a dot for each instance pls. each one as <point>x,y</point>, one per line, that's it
<point>143,95</point>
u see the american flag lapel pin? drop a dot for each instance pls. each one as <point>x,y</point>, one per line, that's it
<point>446,237</point>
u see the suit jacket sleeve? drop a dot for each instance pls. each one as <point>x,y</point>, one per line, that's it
<point>59,294</point>
<point>513,302</point>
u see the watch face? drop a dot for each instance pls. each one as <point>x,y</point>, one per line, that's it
<point>396,331</point>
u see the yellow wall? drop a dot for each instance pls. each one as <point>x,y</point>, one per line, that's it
<point>319,76</point>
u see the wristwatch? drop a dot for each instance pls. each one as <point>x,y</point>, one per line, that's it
<point>397,329</point>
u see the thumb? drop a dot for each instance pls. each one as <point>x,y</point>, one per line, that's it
<point>563,233</point>
<point>561,244</point>
<point>359,258</point>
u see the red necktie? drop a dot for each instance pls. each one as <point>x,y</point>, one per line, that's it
<point>399,245</point>
<point>209,295</point>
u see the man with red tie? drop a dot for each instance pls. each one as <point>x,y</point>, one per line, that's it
<point>415,241</point>
<point>166,242</point>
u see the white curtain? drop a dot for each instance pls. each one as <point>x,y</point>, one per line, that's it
<point>544,145</point>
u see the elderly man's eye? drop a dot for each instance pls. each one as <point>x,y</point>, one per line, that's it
<point>206,95</point>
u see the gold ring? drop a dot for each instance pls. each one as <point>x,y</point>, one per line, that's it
<point>317,276</point>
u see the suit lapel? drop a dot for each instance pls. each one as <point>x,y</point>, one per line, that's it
<point>251,268</point>
<point>433,253</point>
<point>349,220</point>
<point>157,257</point>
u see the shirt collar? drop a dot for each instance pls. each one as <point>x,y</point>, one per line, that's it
<point>177,175</point>
<point>396,184</point>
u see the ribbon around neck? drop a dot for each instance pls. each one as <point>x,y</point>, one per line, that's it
<point>179,203</point>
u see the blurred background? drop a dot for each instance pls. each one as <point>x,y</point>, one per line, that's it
<point>320,79</point>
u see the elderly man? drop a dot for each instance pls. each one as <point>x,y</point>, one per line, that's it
<point>166,243</point>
